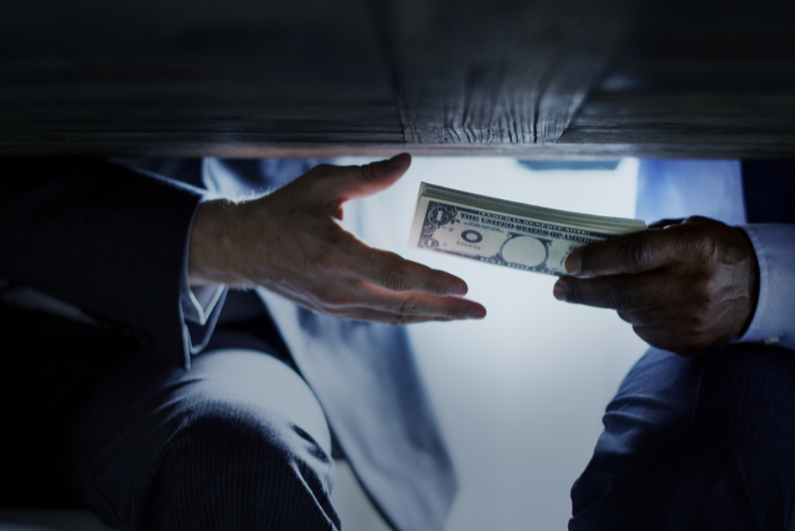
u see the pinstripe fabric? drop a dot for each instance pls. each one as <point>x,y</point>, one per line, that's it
<point>696,444</point>
<point>239,442</point>
<point>157,447</point>
<point>367,380</point>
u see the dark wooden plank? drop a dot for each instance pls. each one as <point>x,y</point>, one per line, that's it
<point>92,75</point>
<point>498,72</point>
<point>701,122</point>
<point>700,79</point>
<point>696,78</point>
<point>95,75</point>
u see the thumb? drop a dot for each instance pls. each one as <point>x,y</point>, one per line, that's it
<point>354,182</point>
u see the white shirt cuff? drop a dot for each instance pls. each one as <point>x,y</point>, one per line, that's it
<point>200,305</point>
<point>774,320</point>
<point>198,302</point>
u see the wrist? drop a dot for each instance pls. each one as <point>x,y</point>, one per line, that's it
<point>752,280</point>
<point>210,247</point>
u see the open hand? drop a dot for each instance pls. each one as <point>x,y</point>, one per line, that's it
<point>684,285</point>
<point>289,243</point>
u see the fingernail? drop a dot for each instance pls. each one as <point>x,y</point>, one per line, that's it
<point>476,313</point>
<point>559,292</point>
<point>573,264</point>
<point>396,161</point>
<point>458,290</point>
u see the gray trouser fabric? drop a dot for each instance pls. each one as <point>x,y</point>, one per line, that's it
<point>239,442</point>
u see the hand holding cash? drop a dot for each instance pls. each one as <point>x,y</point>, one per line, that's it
<point>684,285</point>
<point>506,233</point>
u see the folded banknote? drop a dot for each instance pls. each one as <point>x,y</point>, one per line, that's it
<point>506,233</point>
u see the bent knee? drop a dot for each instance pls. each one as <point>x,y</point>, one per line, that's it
<point>233,466</point>
<point>264,386</point>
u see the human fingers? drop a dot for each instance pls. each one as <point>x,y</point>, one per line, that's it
<point>621,292</point>
<point>338,184</point>
<point>367,314</point>
<point>363,301</point>
<point>375,298</point>
<point>393,272</point>
<point>633,253</point>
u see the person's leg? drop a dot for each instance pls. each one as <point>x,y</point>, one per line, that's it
<point>238,442</point>
<point>697,443</point>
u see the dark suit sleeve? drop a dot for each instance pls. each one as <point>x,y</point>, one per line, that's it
<point>102,237</point>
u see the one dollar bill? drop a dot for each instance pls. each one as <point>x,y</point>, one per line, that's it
<point>506,233</point>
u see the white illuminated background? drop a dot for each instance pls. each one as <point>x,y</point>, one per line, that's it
<point>520,395</point>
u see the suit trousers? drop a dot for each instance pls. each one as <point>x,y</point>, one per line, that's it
<point>239,442</point>
<point>699,443</point>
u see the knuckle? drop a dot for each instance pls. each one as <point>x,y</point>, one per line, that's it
<point>697,242</point>
<point>435,284</point>
<point>453,313</point>
<point>332,298</point>
<point>394,280</point>
<point>399,320</point>
<point>408,306</point>
<point>698,221</point>
<point>330,262</point>
<point>636,253</point>
<point>617,299</point>
<point>572,291</point>
<point>368,172</point>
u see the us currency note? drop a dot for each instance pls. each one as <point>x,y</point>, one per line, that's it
<point>506,233</point>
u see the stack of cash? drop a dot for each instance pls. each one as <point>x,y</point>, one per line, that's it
<point>506,233</point>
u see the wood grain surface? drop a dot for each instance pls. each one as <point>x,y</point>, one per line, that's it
<point>534,79</point>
